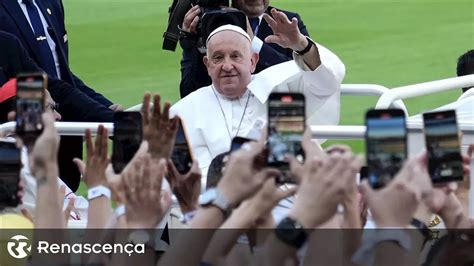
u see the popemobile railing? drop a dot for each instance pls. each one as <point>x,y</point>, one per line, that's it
<point>420,89</point>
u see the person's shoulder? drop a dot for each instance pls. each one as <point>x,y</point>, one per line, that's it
<point>194,98</point>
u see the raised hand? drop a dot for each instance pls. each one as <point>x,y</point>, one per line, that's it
<point>244,173</point>
<point>186,187</point>
<point>158,129</point>
<point>93,171</point>
<point>394,205</point>
<point>311,150</point>
<point>285,32</point>
<point>145,206</point>
<point>45,152</point>
<point>191,19</point>
<point>115,182</point>
<point>256,211</point>
<point>323,187</point>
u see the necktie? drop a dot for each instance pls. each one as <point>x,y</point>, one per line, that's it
<point>46,57</point>
<point>254,23</point>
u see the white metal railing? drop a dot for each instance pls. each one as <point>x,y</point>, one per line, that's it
<point>320,132</point>
<point>370,90</point>
<point>346,90</point>
<point>420,89</point>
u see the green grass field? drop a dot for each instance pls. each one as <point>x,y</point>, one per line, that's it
<point>115,46</point>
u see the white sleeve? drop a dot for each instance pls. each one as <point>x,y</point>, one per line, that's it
<point>321,87</point>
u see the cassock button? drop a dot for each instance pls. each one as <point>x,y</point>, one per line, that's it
<point>49,11</point>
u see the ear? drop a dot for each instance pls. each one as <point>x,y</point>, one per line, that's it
<point>254,60</point>
<point>205,59</point>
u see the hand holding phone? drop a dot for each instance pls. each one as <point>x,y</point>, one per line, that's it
<point>386,147</point>
<point>286,125</point>
<point>237,143</point>
<point>182,156</point>
<point>443,146</point>
<point>30,101</point>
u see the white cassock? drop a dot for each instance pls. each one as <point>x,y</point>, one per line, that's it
<point>204,112</point>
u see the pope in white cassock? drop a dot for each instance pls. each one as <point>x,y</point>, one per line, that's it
<point>235,103</point>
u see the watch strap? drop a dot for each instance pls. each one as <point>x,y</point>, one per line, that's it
<point>187,35</point>
<point>218,200</point>
<point>424,230</point>
<point>307,48</point>
<point>119,211</point>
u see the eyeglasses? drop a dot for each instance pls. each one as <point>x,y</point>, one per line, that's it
<point>52,106</point>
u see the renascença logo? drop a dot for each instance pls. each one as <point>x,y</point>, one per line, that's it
<point>19,247</point>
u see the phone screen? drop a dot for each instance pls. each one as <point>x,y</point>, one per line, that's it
<point>10,165</point>
<point>386,145</point>
<point>127,138</point>
<point>237,142</point>
<point>182,156</point>
<point>442,143</point>
<point>30,104</point>
<point>286,125</point>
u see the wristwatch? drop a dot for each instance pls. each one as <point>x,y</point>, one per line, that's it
<point>291,232</point>
<point>141,237</point>
<point>215,198</point>
<point>424,230</point>
<point>187,35</point>
<point>307,48</point>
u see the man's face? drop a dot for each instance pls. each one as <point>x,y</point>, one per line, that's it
<point>251,8</point>
<point>51,106</point>
<point>230,63</point>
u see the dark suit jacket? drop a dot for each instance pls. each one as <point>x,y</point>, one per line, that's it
<point>72,102</point>
<point>13,20</point>
<point>194,73</point>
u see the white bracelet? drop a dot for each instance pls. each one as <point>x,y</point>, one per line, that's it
<point>119,211</point>
<point>98,191</point>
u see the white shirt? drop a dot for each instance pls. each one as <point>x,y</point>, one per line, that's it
<point>51,43</point>
<point>204,121</point>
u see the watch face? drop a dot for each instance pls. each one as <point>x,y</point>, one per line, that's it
<point>139,237</point>
<point>208,196</point>
<point>291,232</point>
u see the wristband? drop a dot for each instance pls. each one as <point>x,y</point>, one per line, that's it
<point>187,35</point>
<point>307,48</point>
<point>188,217</point>
<point>98,191</point>
<point>119,211</point>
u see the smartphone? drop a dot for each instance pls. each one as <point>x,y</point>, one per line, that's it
<point>237,142</point>
<point>127,138</point>
<point>286,125</point>
<point>442,143</point>
<point>10,165</point>
<point>182,156</point>
<point>386,145</point>
<point>30,101</point>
